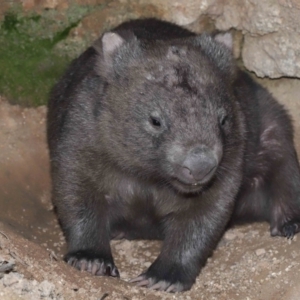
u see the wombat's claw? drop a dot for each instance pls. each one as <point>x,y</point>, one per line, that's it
<point>152,284</point>
<point>140,279</point>
<point>95,266</point>
<point>289,229</point>
<point>165,286</point>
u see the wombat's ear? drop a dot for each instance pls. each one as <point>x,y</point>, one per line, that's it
<point>218,49</point>
<point>225,38</point>
<point>111,45</point>
<point>107,45</point>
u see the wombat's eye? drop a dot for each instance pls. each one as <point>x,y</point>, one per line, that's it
<point>155,122</point>
<point>223,120</point>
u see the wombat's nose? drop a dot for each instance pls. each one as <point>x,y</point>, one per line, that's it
<point>198,166</point>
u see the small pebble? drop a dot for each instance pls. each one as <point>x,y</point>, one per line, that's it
<point>260,252</point>
<point>46,288</point>
<point>230,236</point>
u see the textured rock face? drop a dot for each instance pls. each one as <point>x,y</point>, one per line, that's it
<point>271,34</point>
<point>255,17</point>
<point>273,55</point>
<point>186,12</point>
<point>271,29</point>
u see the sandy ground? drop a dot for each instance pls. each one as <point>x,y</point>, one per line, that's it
<point>248,263</point>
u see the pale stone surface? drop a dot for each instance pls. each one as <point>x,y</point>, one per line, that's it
<point>274,55</point>
<point>256,17</point>
<point>183,12</point>
<point>260,252</point>
<point>272,29</point>
<point>50,3</point>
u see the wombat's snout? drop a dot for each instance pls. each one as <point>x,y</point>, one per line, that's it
<point>198,166</point>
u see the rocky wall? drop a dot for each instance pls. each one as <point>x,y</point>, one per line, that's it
<point>270,28</point>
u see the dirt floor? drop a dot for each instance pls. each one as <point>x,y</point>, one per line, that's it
<point>248,263</point>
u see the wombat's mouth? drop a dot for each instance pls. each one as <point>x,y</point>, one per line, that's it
<point>187,187</point>
<point>193,186</point>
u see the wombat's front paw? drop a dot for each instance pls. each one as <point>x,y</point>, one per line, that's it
<point>92,262</point>
<point>170,279</point>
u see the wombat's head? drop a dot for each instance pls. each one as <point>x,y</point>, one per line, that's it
<point>168,112</point>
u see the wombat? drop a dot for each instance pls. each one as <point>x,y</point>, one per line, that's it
<point>155,133</point>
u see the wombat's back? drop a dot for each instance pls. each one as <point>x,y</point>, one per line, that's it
<point>153,29</point>
<point>64,91</point>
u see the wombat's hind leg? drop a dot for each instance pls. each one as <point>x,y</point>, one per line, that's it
<point>285,198</point>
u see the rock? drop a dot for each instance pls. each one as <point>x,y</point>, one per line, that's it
<point>270,28</point>
<point>273,55</point>
<point>229,235</point>
<point>46,288</point>
<point>256,17</point>
<point>260,252</point>
<point>271,46</point>
<point>185,12</point>
<point>51,4</point>
<point>28,4</point>
<point>11,279</point>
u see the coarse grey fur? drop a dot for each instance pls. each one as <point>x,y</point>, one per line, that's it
<point>155,133</point>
